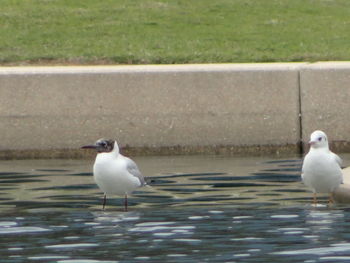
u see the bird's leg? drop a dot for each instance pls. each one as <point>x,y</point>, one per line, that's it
<point>331,199</point>
<point>314,199</point>
<point>126,203</point>
<point>104,201</point>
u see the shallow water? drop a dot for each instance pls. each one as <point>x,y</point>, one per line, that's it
<point>195,209</point>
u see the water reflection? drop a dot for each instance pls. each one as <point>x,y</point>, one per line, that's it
<point>239,181</point>
<point>196,209</point>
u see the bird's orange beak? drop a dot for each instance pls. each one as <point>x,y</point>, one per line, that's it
<point>311,143</point>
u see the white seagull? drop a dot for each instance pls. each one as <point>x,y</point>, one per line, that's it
<point>114,173</point>
<point>321,168</point>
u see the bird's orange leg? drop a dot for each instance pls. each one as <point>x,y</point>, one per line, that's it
<point>104,201</point>
<point>331,199</point>
<point>126,203</point>
<point>314,199</point>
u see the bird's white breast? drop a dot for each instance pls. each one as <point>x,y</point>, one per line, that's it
<point>112,176</point>
<point>321,172</point>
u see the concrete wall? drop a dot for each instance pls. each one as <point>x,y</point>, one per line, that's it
<point>236,108</point>
<point>325,97</point>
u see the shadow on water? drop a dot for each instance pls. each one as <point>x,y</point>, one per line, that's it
<point>195,209</point>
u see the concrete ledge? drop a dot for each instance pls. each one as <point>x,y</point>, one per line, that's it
<point>181,107</point>
<point>173,109</point>
<point>325,93</point>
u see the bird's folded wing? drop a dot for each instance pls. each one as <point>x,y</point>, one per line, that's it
<point>134,170</point>
<point>337,159</point>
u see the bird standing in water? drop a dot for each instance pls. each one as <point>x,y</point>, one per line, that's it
<point>114,173</point>
<point>321,169</point>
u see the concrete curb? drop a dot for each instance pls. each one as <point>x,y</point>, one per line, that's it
<point>172,109</point>
<point>324,96</point>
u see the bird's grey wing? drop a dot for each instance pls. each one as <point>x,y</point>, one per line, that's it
<point>337,159</point>
<point>339,162</point>
<point>132,168</point>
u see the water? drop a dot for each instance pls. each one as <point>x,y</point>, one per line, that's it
<point>196,209</point>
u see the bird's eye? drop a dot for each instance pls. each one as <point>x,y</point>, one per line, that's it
<point>320,139</point>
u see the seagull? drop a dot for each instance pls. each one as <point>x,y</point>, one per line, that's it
<point>114,173</point>
<point>321,169</point>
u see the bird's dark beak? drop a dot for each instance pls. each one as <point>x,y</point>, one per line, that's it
<point>89,147</point>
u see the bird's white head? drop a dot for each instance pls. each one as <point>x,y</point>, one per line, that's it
<point>318,139</point>
<point>104,146</point>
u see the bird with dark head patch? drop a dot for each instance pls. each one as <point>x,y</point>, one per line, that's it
<point>114,173</point>
<point>101,145</point>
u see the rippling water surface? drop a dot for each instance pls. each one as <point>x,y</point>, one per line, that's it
<point>195,209</point>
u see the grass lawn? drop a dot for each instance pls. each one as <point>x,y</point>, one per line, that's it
<point>172,31</point>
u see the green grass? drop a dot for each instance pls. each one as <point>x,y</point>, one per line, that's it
<point>173,31</point>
